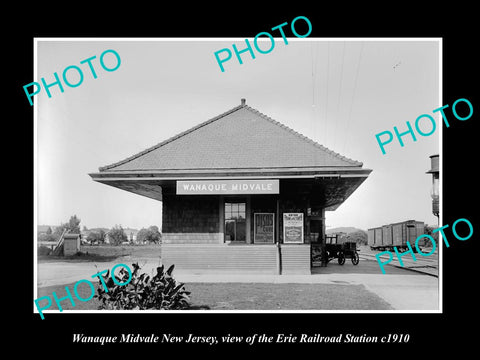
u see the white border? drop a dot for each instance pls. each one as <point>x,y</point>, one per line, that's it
<point>306,39</point>
<point>440,248</point>
<point>35,183</point>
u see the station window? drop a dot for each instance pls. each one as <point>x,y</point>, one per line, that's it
<point>235,220</point>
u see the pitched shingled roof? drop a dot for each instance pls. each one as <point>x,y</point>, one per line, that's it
<point>241,138</point>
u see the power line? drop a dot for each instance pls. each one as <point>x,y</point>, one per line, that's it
<point>313,79</point>
<point>314,70</point>
<point>353,98</point>
<point>326,96</point>
<point>339,98</point>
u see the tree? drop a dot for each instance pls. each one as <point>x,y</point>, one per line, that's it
<point>102,235</point>
<point>142,235</point>
<point>155,235</point>
<point>59,231</point>
<point>92,237</point>
<point>117,235</point>
<point>49,231</point>
<point>73,227</point>
<point>428,230</point>
<point>150,235</point>
<point>359,237</point>
<point>97,236</point>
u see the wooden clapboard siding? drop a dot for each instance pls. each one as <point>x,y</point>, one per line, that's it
<point>192,238</point>
<point>295,259</point>
<point>223,258</point>
<point>71,244</point>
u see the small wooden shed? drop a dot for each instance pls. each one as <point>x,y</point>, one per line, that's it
<point>71,244</point>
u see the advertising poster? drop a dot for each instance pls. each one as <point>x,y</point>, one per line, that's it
<point>264,225</point>
<point>293,228</point>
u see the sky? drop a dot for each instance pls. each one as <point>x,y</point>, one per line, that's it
<point>338,92</point>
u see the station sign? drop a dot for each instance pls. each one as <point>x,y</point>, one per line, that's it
<point>228,187</point>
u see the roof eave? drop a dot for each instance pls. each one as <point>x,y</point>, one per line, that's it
<point>232,173</point>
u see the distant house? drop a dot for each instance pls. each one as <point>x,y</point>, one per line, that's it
<point>85,233</point>
<point>107,238</point>
<point>131,234</point>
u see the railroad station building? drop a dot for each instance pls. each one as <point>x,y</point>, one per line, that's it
<point>240,193</point>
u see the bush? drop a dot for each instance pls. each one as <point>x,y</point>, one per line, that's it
<point>360,237</point>
<point>43,250</point>
<point>143,292</point>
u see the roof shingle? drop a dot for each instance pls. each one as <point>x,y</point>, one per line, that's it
<point>240,138</point>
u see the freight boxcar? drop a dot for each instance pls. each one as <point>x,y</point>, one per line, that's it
<point>396,234</point>
<point>375,238</point>
<point>387,235</point>
<point>371,238</point>
<point>378,237</point>
<point>407,231</point>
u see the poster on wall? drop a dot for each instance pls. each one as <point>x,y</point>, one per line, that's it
<point>263,225</point>
<point>293,228</point>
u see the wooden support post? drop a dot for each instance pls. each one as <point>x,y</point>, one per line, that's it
<point>277,223</point>
<point>221,219</point>
<point>248,223</point>
<point>277,239</point>
<point>324,242</point>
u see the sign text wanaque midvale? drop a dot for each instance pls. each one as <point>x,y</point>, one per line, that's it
<point>210,187</point>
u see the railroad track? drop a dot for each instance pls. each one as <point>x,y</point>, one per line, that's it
<point>425,265</point>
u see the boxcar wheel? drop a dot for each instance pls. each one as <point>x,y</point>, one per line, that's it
<point>355,258</point>
<point>341,258</point>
